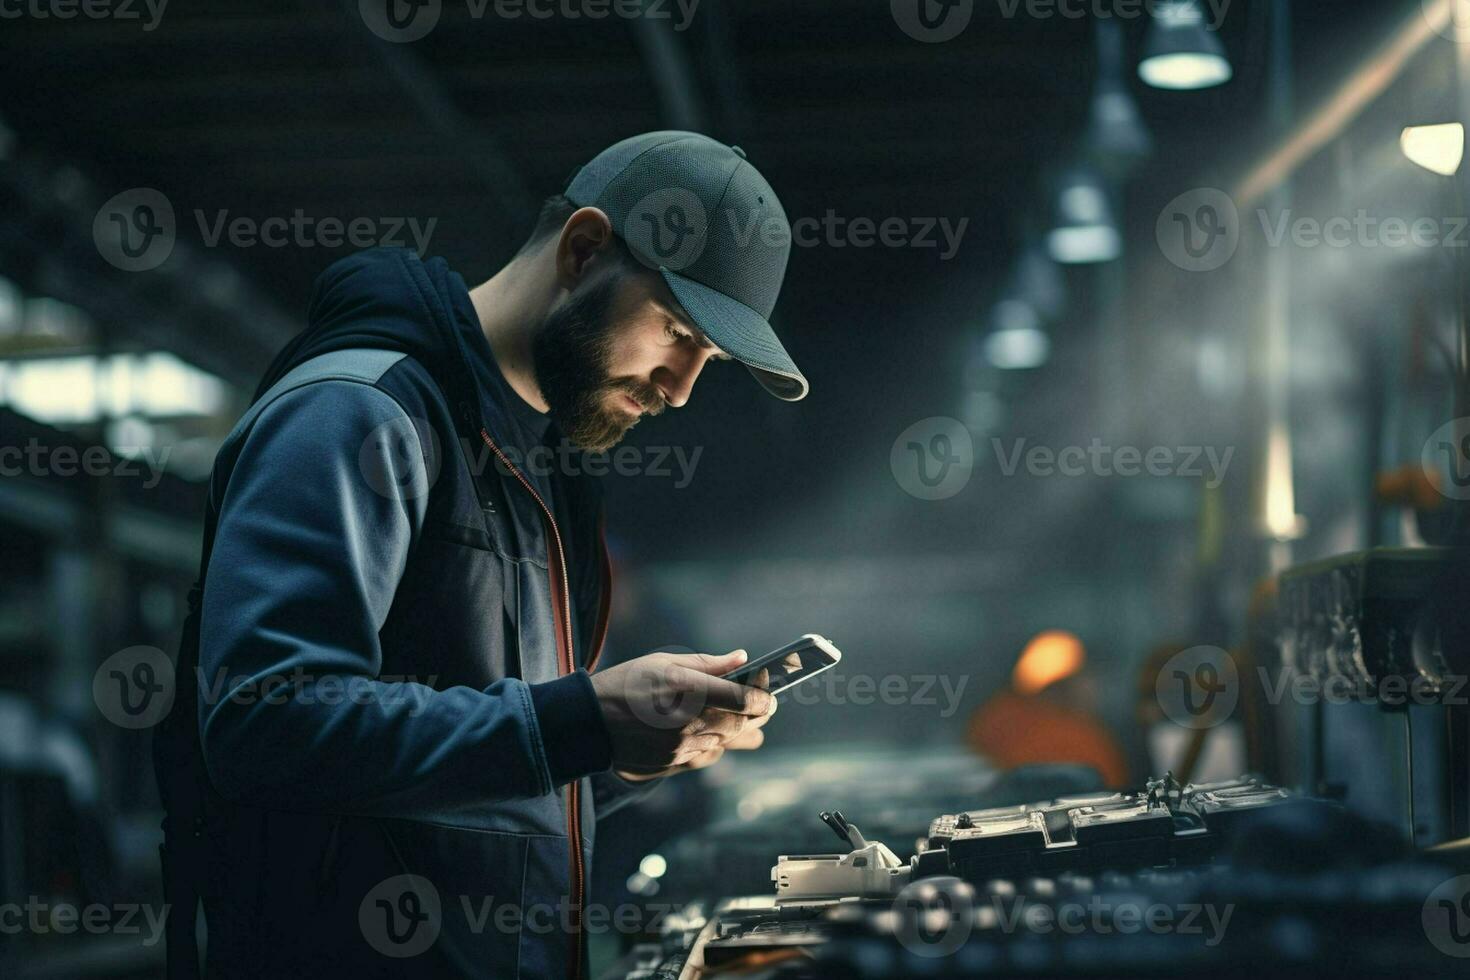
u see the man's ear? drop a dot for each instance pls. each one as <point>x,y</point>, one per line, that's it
<point>586,242</point>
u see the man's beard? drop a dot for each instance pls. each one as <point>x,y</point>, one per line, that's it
<point>570,354</point>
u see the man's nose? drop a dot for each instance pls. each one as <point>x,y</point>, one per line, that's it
<point>676,379</point>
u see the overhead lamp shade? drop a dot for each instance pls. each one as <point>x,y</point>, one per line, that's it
<point>1181,53</point>
<point>1116,128</point>
<point>1017,349</point>
<point>1083,230</point>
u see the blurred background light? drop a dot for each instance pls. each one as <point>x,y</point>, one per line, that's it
<point>1437,148</point>
<point>1015,350</point>
<point>86,388</point>
<point>1116,134</point>
<point>1083,230</point>
<point>1181,53</point>
<point>653,865</point>
<point>1282,521</point>
<point>1051,656</point>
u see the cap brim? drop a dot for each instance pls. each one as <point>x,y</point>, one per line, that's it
<point>742,333</point>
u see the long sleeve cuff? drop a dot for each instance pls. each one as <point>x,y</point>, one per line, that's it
<point>573,733</point>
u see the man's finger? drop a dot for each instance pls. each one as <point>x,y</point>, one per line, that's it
<point>751,738</point>
<point>713,721</point>
<point>729,696</point>
<point>693,745</point>
<point>715,665</point>
<point>761,721</point>
<point>701,761</point>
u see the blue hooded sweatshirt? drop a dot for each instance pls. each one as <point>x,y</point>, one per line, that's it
<point>398,620</point>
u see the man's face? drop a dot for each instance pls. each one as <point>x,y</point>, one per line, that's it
<point>619,348</point>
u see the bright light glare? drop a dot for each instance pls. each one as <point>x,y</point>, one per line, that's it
<point>1435,148</point>
<point>1282,521</point>
<point>82,389</point>
<point>1013,350</point>
<point>1083,244</point>
<point>1052,655</point>
<point>1185,71</point>
<point>653,865</point>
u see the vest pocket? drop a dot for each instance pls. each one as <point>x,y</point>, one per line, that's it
<point>457,901</point>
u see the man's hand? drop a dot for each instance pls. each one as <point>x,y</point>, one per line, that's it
<point>671,713</point>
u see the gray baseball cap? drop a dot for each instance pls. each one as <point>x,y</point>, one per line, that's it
<point>698,212</point>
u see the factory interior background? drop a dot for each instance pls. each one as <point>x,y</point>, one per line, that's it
<point>1102,347</point>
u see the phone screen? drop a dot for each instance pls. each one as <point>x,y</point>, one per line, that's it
<point>791,664</point>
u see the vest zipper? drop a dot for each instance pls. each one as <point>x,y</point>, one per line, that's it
<point>562,614</point>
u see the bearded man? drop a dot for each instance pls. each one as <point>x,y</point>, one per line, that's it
<point>390,744</point>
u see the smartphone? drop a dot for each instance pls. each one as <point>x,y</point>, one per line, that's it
<point>797,661</point>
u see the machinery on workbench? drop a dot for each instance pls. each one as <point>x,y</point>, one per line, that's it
<point>1210,880</point>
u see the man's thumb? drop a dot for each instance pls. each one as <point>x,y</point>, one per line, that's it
<point>717,664</point>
